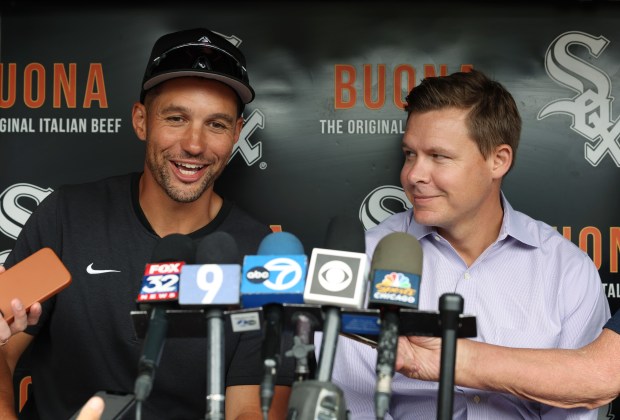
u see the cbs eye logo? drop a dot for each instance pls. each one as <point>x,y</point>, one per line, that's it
<point>335,276</point>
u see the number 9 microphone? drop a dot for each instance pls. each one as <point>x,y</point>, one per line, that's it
<point>213,283</point>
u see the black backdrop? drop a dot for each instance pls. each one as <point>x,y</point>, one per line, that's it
<point>323,134</point>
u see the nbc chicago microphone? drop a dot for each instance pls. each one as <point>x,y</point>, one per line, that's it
<point>275,276</point>
<point>213,283</point>
<point>159,289</point>
<point>396,271</point>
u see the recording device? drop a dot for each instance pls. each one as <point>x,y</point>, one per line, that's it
<point>34,279</point>
<point>273,277</point>
<point>159,290</point>
<point>213,283</point>
<point>337,276</point>
<point>116,405</point>
<point>396,271</point>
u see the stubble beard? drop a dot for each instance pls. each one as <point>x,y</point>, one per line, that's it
<point>180,195</point>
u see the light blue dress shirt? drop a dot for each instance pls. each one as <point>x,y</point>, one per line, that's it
<point>530,288</point>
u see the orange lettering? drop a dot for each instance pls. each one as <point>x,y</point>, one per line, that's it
<point>34,69</point>
<point>95,77</point>
<point>11,84</point>
<point>380,101</point>
<point>65,85</point>
<point>400,71</point>
<point>341,87</point>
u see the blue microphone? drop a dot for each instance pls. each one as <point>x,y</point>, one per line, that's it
<point>275,276</point>
<point>213,283</point>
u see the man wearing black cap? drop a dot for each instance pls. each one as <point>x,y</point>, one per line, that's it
<point>189,115</point>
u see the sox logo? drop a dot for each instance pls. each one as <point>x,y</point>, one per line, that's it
<point>590,108</point>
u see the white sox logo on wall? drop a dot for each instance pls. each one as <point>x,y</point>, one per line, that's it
<point>590,108</point>
<point>374,208</point>
<point>13,216</point>
<point>251,153</point>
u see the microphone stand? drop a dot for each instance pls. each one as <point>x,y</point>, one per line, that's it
<point>215,364</point>
<point>320,398</point>
<point>303,344</point>
<point>450,307</point>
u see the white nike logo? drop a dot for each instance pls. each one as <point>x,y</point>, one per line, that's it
<point>91,270</point>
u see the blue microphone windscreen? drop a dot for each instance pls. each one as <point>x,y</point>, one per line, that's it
<point>280,243</point>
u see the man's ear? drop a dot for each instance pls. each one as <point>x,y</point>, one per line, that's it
<point>138,120</point>
<point>502,160</point>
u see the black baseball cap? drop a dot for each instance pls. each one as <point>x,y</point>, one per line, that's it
<point>197,52</point>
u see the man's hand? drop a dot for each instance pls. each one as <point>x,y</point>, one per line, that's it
<point>92,410</point>
<point>22,318</point>
<point>419,357</point>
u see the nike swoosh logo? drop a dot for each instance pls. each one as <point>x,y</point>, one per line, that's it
<point>91,270</point>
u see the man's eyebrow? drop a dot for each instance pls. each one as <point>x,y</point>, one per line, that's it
<point>223,116</point>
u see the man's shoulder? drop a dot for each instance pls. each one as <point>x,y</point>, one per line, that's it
<point>397,222</point>
<point>111,182</point>
<point>247,230</point>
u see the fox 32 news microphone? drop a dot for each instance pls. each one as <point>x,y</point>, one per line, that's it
<point>160,291</point>
<point>337,278</point>
<point>213,284</point>
<point>273,277</point>
<point>396,271</point>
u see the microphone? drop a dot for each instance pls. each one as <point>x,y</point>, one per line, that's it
<point>160,287</point>
<point>336,278</point>
<point>213,282</point>
<point>273,277</point>
<point>396,271</point>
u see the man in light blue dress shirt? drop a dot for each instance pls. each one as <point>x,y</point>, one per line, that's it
<point>526,284</point>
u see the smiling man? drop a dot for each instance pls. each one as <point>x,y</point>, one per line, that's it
<point>527,285</point>
<point>189,115</point>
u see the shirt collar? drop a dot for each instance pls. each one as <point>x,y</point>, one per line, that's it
<point>514,224</point>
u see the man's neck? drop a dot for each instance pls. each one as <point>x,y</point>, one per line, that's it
<point>470,238</point>
<point>167,216</point>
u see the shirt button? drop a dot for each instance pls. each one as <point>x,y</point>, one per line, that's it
<point>437,238</point>
<point>467,276</point>
<point>476,399</point>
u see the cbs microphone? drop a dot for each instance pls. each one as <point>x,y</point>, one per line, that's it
<point>273,277</point>
<point>337,277</point>
<point>213,283</point>
<point>159,290</point>
<point>396,271</point>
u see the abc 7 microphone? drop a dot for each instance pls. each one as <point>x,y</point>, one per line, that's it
<point>337,276</point>
<point>272,278</point>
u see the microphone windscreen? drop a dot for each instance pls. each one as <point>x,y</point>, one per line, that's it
<point>398,251</point>
<point>279,243</point>
<point>345,233</point>
<point>174,247</point>
<point>218,248</point>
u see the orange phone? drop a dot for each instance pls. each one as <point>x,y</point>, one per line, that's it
<point>34,279</point>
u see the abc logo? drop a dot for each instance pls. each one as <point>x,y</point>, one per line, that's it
<point>257,274</point>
